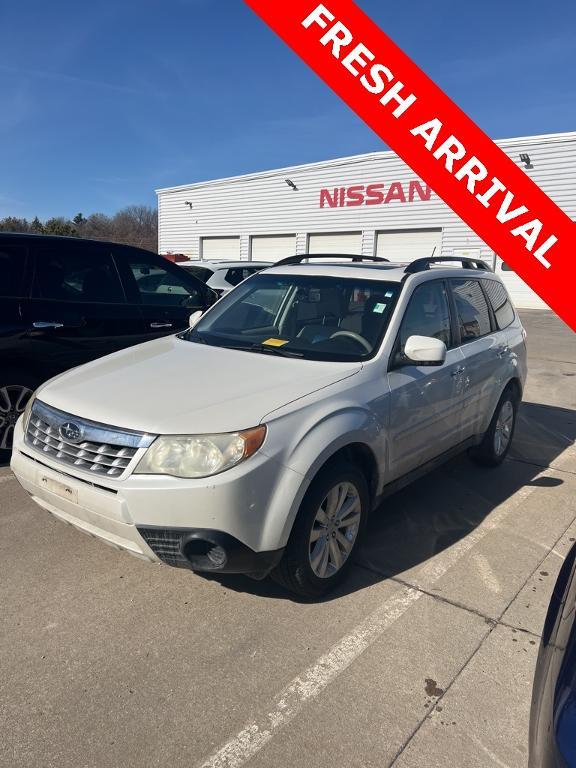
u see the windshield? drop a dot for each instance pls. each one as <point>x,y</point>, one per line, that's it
<point>316,318</point>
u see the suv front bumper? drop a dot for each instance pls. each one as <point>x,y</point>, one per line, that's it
<point>201,549</point>
<point>235,522</point>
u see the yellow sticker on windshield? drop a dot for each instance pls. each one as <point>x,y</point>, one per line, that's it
<point>275,342</point>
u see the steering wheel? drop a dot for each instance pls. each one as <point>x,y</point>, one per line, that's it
<point>355,337</point>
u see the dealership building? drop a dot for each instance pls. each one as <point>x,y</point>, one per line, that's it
<point>371,204</point>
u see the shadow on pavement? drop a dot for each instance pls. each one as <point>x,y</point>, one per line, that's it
<point>435,512</point>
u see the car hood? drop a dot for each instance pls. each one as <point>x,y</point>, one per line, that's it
<point>172,386</point>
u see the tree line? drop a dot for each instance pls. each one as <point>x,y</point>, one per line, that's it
<point>134,225</point>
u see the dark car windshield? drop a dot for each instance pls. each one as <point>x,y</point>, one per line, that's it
<point>316,318</point>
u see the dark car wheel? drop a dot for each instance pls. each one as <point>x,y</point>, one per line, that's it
<point>15,391</point>
<point>498,437</point>
<point>326,532</point>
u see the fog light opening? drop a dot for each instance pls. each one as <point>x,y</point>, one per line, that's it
<point>204,555</point>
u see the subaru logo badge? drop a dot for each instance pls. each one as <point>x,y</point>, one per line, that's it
<point>70,432</point>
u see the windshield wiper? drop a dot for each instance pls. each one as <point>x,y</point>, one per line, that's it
<point>266,350</point>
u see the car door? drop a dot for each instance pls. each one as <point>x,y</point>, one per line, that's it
<point>14,290</point>
<point>165,294</point>
<point>17,381</point>
<point>426,402</point>
<point>483,347</point>
<point>78,310</point>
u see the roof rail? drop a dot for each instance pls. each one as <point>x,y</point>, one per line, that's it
<point>421,265</point>
<point>353,257</point>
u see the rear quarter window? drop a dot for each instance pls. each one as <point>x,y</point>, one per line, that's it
<point>236,275</point>
<point>501,304</point>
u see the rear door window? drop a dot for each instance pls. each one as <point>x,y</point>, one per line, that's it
<point>501,304</point>
<point>78,274</point>
<point>472,310</point>
<point>12,264</point>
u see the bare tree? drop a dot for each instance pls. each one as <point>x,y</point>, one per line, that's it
<point>134,225</point>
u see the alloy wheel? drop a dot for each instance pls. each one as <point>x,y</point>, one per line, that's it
<point>13,399</point>
<point>334,530</point>
<point>503,430</point>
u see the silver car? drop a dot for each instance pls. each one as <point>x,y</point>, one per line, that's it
<point>259,440</point>
<point>222,276</point>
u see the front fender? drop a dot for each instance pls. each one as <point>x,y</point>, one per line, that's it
<point>304,441</point>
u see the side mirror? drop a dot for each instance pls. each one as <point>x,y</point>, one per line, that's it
<point>194,317</point>
<point>425,350</point>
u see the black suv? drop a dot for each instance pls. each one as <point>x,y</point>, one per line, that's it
<point>65,301</point>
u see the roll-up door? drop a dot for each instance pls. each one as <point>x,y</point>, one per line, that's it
<point>409,244</point>
<point>227,248</point>
<point>272,247</point>
<point>335,242</point>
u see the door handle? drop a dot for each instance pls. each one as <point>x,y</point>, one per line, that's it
<point>47,324</point>
<point>161,325</point>
<point>458,371</point>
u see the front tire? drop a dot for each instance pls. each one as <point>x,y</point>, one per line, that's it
<point>326,532</point>
<point>498,437</point>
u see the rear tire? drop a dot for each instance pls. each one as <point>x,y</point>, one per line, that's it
<point>498,437</point>
<point>326,532</point>
<point>16,388</point>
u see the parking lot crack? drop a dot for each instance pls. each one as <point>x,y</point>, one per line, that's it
<point>441,698</point>
<point>491,620</point>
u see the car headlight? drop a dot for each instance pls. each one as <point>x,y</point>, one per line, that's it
<point>199,455</point>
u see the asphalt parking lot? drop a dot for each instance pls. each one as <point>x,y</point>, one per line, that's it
<point>424,657</point>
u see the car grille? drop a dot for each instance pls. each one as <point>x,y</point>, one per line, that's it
<point>81,443</point>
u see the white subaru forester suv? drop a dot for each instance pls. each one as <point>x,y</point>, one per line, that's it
<point>259,440</point>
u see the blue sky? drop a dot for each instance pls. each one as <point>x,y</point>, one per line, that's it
<point>104,102</point>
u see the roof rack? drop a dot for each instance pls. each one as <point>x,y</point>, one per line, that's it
<point>353,257</point>
<point>421,265</point>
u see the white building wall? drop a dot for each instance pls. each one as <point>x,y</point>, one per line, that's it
<point>262,203</point>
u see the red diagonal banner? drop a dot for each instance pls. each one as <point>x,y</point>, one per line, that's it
<point>505,208</point>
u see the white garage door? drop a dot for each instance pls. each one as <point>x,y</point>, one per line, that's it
<point>221,248</point>
<point>409,244</point>
<point>522,295</point>
<point>272,247</point>
<point>335,242</point>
